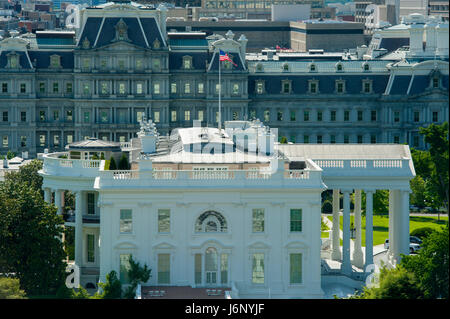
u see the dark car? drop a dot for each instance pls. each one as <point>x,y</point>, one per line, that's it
<point>415,240</point>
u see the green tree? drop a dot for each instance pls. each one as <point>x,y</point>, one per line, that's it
<point>419,192</point>
<point>380,202</point>
<point>112,288</point>
<point>30,233</point>
<point>431,264</point>
<point>10,154</point>
<point>436,136</point>
<point>123,162</point>
<point>10,289</point>
<point>80,293</point>
<point>112,164</point>
<point>136,274</point>
<point>283,140</point>
<point>396,283</point>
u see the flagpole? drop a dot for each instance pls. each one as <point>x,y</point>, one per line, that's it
<point>220,99</point>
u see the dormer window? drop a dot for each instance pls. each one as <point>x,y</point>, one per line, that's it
<point>366,67</point>
<point>13,60</point>
<point>367,86</point>
<point>313,86</point>
<point>259,67</point>
<point>286,86</point>
<point>339,67</point>
<point>156,44</point>
<point>187,62</point>
<point>312,68</point>
<point>340,86</point>
<point>259,87</point>
<point>285,67</point>
<point>55,61</point>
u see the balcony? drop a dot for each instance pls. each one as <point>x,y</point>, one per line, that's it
<point>54,165</point>
<point>70,218</point>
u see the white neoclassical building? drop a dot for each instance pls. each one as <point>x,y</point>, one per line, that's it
<point>205,207</point>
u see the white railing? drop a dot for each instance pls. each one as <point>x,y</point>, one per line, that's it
<point>364,164</point>
<point>125,145</point>
<point>297,174</point>
<point>70,167</point>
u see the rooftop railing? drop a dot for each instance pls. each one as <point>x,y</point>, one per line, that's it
<point>55,165</point>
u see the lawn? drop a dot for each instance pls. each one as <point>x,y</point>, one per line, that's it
<point>381,226</point>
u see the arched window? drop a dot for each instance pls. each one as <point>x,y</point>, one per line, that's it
<point>366,67</point>
<point>285,67</point>
<point>210,221</point>
<point>339,67</point>
<point>312,68</point>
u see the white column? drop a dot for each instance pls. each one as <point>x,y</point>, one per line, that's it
<point>346,266</point>
<point>58,201</point>
<point>391,222</point>
<point>369,228</point>
<point>336,253</point>
<point>78,229</point>
<point>400,225</point>
<point>47,195</point>
<point>357,252</point>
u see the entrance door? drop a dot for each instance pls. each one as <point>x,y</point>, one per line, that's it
<point>211,266</point>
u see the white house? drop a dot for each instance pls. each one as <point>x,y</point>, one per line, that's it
<point>205,207</point>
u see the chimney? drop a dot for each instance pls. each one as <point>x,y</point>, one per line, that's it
<point>430,34</point>
<point>416,39</point>
<point>442,39</point>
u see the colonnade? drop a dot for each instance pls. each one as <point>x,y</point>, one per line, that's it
<point>398,228</point>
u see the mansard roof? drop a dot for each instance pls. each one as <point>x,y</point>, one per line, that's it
<point>41,58</point>
<point>140,31</point>
<point>24,62</point>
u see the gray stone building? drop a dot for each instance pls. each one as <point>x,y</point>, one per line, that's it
<point>57,88</point>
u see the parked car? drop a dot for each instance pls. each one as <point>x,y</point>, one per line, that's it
<point>413,247</point>
<point>415,240</point>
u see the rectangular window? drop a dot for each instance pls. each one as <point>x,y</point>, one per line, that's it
<point>258,220</point>
<point>346,116</point>
<point>91,203</point>
<point>86,88</point>
<point>103,117</point>
<point>312,87</point>
<point>156,63</point>
<point>306,116</point>
<point>367,87</point>
<point>267,115</point>
<point>295,265</point>
<point>360,116</point>
<point>23,88</point>
<point>360,139</point>
<point>5,116</point>
<point>139,116</point>
<point>69,87</point>
<point>104,88</point>
<point>55,115</point>
<point>121,88</point>
<point>139,64</point>
<point>346,139</point>
<point>5,142</point>
<point>373,116</point>
<point>258,268</point>
<point>373,139</point>
<point>41,87</point>
<point>415,141</point>
<point>139,88</point>
<point>69,116</point>
<point>173,116</point>
<point>306,139</point>
<point>163,220</point>
<point>286,87</point>
<point>319,139</point>
<point>126,225</point>
<point>224,269</point>
<point>333,116</point>
<point>163,268</point>
<point>333,139</point>
<point>293,116</point>
<point>235,89</point>
<point>124,268</point>
<point>69,138</point>
<point>42,140</point>
<point>187,115</point>
<point>187,88</point>
<point>200,116</point>
<point>201,88</point>
<point>173,88</point>
<point>296,220</point>
<point>435,116</point>
<point>319,116</point>
<point>217,88</point>
<point>340,87</point>
<point>4,87</point>
<point>90,248</point>
<point>23,141</point>
<point>86,63</point>
<point>56,140</point>
<point>397,139</point>
<point>55,87</point>
<point>86,117</point>
<point>156,116</point>
<point>416,116</point>
<point>396,116</point>
<point>235,115</point>
<point>279,115</point>
<point>156,88</point>
<point>23,116</point>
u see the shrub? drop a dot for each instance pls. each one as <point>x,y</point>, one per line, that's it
<point>112,289</point>
<point>10,289</point>
<point>327,207</point>
<point>422,232</point>
<point>112,164</point>
<point>123,162</point>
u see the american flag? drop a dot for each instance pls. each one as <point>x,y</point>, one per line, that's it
<point>224,57</point>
